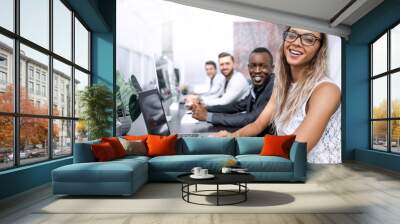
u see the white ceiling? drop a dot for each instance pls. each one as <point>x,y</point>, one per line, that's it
<point>321,9</point>
<point>318,15</point>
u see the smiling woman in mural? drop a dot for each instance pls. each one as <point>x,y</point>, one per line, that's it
<point>305,102</point>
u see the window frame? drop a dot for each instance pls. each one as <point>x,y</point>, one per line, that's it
<point>388,74</point>
<point>16,114</point>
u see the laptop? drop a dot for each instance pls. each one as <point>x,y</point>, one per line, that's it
<point>154,115</point>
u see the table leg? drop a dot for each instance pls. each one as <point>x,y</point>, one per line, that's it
<point>217,194</point>
<point>196,188</point>
<point>182,190</point>
<point>245,193</point>
<point>188,190</point>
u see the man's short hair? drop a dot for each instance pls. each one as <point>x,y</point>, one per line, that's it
<point>263,50</point>
<point>211,63</point>
<point>225,54</point>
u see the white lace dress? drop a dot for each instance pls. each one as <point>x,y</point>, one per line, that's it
<point>328,148</point>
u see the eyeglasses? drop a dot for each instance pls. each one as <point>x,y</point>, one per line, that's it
<point>306,39</point>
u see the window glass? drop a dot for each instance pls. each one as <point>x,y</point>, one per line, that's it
<point>6,74</point>
<point>34,21</point>
<point>395,95</point>
<point>62,29</point>
<point>81,45</point>
<point>81,131</point>
<point>395,47</point>
<point>379,56</point>
<point>39,62</point>
<point>7,14</point>
<point>62,138</point>
<point>81,81</point>
<point>6,142</point>
<point>379,98</point>
<point>34,81</point>
<point>395,138</point>
<point>33,139</point>
<point>379,135</point>
<point>62,91</point>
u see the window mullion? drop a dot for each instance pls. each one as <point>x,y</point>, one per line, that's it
<point>16,85</point>
<point>371,89</point>
<point>50,81</point>
<point>389,106</point>
<point>73,82</point>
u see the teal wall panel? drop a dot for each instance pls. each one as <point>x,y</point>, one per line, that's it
<point>24,178</point>
<point>377,158</point>
<point>102,59</point>
<point>356,99</point>
<point>103,64</point>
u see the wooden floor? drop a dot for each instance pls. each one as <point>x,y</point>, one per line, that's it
<point>377,188</point>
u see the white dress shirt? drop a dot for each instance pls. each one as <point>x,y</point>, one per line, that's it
<point>217,85</point>
<point>237,88</point>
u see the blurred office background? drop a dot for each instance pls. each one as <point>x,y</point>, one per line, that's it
<point>164,45</point>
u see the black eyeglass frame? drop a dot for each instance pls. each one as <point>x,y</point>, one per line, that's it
<point>285,34</point>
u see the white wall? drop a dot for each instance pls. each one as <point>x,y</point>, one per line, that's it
<point>200,35</point>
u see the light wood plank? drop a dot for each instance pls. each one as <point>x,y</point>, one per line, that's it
<point>377,191</point>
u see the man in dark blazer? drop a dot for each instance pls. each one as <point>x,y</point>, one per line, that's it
<point>241,113</point>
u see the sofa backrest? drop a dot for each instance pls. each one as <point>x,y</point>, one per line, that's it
<point>206,145</point>
<point>83,152</point>
<point>249,145</point>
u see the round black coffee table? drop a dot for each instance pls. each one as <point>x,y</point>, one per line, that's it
<point>238,179</point>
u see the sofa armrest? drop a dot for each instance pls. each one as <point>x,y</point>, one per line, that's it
<point>298,155</point>
<point>83,152</point>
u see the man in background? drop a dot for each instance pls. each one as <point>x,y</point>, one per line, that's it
<point>239,114</point>
<point>236,85</point>
<point>217,83</point>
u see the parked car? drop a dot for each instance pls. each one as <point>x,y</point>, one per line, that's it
<point>22,155</point>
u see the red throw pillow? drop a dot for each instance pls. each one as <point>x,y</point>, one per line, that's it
<point>103,152</point>
<point>135,137</point>
<point>161,145</point>
<point>277,145</point>
<point>116,145</point>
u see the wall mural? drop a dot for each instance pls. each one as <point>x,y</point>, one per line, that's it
<point>170,51</point>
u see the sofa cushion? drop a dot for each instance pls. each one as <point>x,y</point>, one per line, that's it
<point>131,158</point>
<point>185,163</point>
<point>112,171</point>
<point>277,145</point>
<point>103,152</point>
<point>257,163</point>
<point>116,145</point>
<point>83,152</point>
<point>249,145</point>
<point>161,145</point>
<point>134,147</point>
<point>135,137</point>
<point>209,145</point>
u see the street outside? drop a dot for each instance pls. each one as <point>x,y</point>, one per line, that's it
<point>32,156</point>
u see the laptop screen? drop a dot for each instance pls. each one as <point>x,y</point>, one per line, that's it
<point>153,112</point>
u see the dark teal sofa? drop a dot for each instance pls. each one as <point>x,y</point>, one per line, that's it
<point>125,176</point>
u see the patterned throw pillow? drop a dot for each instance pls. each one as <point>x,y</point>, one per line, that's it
<point>134,147</point>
